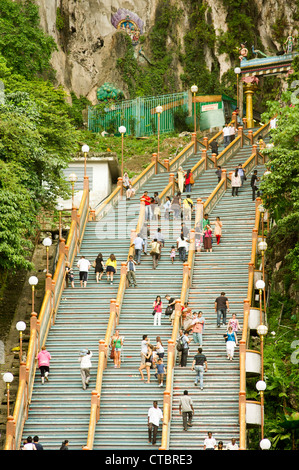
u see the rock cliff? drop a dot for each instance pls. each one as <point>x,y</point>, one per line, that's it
<point>88,47</point>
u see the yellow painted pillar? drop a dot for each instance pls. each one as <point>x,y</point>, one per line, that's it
<point>249,89</point>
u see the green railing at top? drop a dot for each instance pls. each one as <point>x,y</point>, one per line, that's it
<point>139,115</point>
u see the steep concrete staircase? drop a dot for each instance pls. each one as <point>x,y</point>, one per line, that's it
<point>60,408</point>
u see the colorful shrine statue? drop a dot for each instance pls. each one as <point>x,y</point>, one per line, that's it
<point>289,45</point>
<point>243,51</point>
<point>129,22</point>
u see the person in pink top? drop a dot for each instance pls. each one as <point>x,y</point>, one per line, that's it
<point>198,327</point>
<point>44,358</point>
<point>157,312</point>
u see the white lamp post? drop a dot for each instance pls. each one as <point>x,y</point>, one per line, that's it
<point>47,242</point>
<point>262,330</point>
<point>122,130</point>
<point>21,326</point>
<point>33,281</point>
<point>8,378</point>
<point>194,90</point>
<point>159,110</point>
<point>59,208</point>
<point>85,150</point>
<point>237,72</point>
<point>73,178</point>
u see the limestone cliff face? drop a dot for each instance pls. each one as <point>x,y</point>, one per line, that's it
<point>88,48</point>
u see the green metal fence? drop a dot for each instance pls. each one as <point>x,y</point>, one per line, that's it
<point>139,115</point>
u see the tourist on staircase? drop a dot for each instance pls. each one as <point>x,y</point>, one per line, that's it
<point>185,351</point>
<point>234,323</point>
<point>218,172</point>
<point>154,416</point>
<point>157,210</point>
<point>138,247</point>
<point>186,409</point>
<point>176,206</point>
<point>160,238</point>
<point>231,132</point>
<point>209,442</point>
<point>181,179</point>
<point>198,323</point>
<point>157,312</point>
<point>241,172</point>
<point>147,201</point>
<point>187,207</point>
<point>144,233</point>
<point>207,238</point>
<point>221,307</point>
<point>214,147</point>
<point>253,184</point>
<point>131,268</point>
<point>44,358</point>
<point>116,345</point>
<point>85,366</point>
<point>111,267</point>
<point>69,275</point>
<point>147,364</point>
<point>235,182</point>
<point>155,252</point>
<point>159,348</point>
<point>160,371</point>
<point>200,365</point>
<point>84,266</point>
<point>167,207</point>
<point>231,343</point>
<point>182,246</point>
<point>99,266</point>
<point>218,229</point>
<point>172,254</point>
<point>188,181</point>
<point>226,135</point>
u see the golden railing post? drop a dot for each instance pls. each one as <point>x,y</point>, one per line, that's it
<point>155,160</point>
<point>166,163</point>
<point>206,143</point>
<point>254,151</point>
<point>224,176</point>
<point>250,135</point>
<point>245,123</point>
<point>120,185</point>
<point>240,133</point>
<point>214,158</point>
<point>204,155</point>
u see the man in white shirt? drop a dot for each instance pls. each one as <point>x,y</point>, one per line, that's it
<point>209,443</point>
<point>154,416</point>
<point>84,266</point>
<point>226,137</point>
<point>138,244</point>
<point>145,341</point>
<point>85,366</point>
<point>233,445</point>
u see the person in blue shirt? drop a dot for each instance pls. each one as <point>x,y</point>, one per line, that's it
<point>161,371</point>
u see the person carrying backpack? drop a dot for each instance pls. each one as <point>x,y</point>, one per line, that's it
<point>183,347</point>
